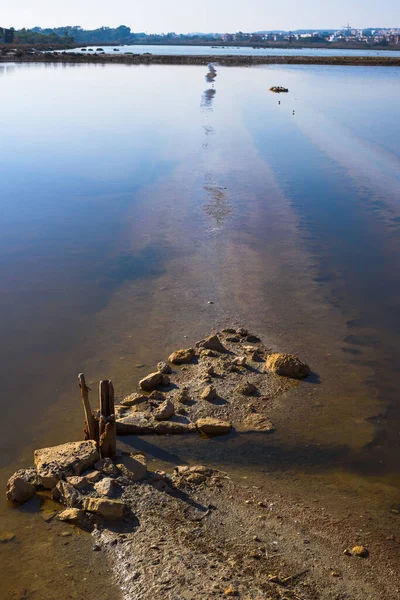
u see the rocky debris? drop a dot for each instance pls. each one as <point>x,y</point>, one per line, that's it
<point>92,476</point>
<point>133,466</point>
<point>246,389</point>
<point>192,476</point>
<point>156,397</point>
<point>65,493</point>
<point>53,464</point>
<point>287,365</point>
<point>154,380</point>
<point>256,422</point>
<point>165,411</point>
<point>133,399</point>
<point>184,356</point>
<point>72,515</point>
<point>242,332</point>
<point>107,467</point>
<point>19,487</point>
<point>6,537</point>
<point>212,342</point>
<point>105,507</point>
<point>183,396</point>
<point>174,427</point>
<point>360,551</point>
<point>240,361</point>
<point>106,487</point>
<point>209,393</point>
<point>80,483</point>
<point>213,426</point>
<point>164,368</point>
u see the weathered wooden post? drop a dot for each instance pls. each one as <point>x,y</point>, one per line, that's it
<point>91,429</point>
<point>107,426</point>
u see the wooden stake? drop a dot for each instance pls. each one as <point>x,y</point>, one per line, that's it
<point>108,429</point>
<point>91,426</point>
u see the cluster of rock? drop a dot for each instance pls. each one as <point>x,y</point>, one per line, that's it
<point>207,388</point>
<point>78,479</point>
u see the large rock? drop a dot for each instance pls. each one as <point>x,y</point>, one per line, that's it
<point>106,487</point>
<point>212,343</point>
<point>164,368</point>
<point>105,507</point>
<point>19,488</point>
<point>287,365</point>
<point>134,423</point>
<point>72,515</point>
<point>209,393</point>
<point>154,380</point>
<point>165,411</point>
<point>174,427</point>
<point>133,466</point>
<point>53,464</point>
<point>212,426</point>
<point>67,494</point>
<point>183,356</point>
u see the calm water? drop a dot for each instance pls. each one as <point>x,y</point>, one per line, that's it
<point>241,51</point>
<point>132,196</point>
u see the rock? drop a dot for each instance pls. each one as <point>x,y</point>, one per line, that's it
<point>181,357</point>
<point>209,393</point>
<point>133,466</point>
<point>174,428</point>
<point>154,380</point>
<point>252,339</point>
<point>183,396</point>
<point>229,330</point>
<point>165,411</point>
<point>256,422</point>
<point>107,467</point>
<point>52,464</point>
<point>208,353</point>
<point>240,361</point>
<point>212,343</point>
<point>134,423</point>
<point>79,483</point>
<point>156,396</point>
<point>242,331</point>
<point>164,368</point>
<point>6,537</point>
<point>231,591</point>
<point>19,489</point>
<point>72,515</point>
<point>212,426</point>
<point>234,339</point>
<point>360,551</point>
<point>92,476</point>
<point>67,494</point>
<point>104,507</point>
<point>287,365</point>
<point>246,389</point>
<point>195,478</point>
<point>106,487</point>
<point>133,399</point>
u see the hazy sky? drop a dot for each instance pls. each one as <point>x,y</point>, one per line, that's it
<point>201,15</point>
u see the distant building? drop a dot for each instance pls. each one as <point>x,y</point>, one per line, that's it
<point>8,36</point>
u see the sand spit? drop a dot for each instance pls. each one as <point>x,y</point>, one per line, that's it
<point>193,533</point>
<point>22,55</point>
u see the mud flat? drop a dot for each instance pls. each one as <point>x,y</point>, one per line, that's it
<point>21,55</point>
<point>193,533</point>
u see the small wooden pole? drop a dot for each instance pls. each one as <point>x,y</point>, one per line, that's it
<point>91,427</point>
<point>108,429</point>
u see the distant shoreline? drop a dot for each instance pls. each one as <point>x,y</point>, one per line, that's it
<point>228,60</point>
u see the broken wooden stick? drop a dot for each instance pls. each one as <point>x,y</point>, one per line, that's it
<point>91,425</point>
<point>107,429</point>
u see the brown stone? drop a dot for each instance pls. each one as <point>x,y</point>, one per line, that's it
<point>104,507</point>
<point>133,399</point>
<point>165,411</point>
<point>53,463</point>
<point>154,380</point>
<point>287,365</point>
<point>212,343</point>
<point>360,551</point>
<point>180,357</point>
<point>133,466</point>
<point>212,426</point>
<point>19,490</point>
<point>209,393</point>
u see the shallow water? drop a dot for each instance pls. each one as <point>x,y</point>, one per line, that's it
<point>132,196</point>
<point>236,51</point>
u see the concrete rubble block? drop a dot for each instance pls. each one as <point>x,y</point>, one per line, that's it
<point>19,488</point>
<point>53,463</point>
<point>212,426</point>
<point>105,507</point>
<point>153,381</point>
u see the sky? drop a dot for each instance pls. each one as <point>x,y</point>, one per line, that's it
<point>155,16</point>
